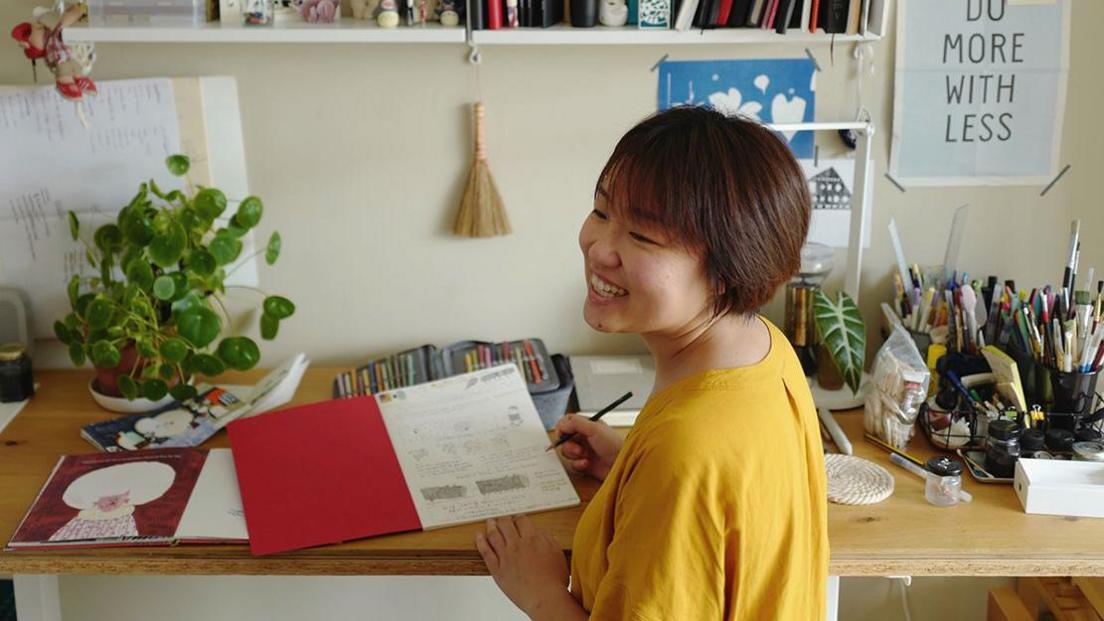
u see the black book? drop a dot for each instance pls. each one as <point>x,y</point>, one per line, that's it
<point>475,18</point>
<point>833,16</point>
<point>701,16</point>
<point>783,16</point>
<point>549,13</point>
<point>737,17</point>
<point>798,11</point>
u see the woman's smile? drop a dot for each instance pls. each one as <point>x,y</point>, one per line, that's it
<point>604,290</point>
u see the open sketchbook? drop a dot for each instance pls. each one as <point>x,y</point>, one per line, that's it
<point>192,421</point>
<point>455,450</point>
<point>154,497</point>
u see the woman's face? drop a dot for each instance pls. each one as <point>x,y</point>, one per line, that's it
<point>638,279</point>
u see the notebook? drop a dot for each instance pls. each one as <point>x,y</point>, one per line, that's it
<point>455,450</point>
<point>154,497</point>
<point>600,380</point>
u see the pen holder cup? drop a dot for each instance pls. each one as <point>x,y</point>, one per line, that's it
<point>1035,378</point>
<point>1074,393</point>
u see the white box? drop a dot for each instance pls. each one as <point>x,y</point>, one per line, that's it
<point>1058,487</point>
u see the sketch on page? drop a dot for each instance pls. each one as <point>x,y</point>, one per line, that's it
<point>472,446</point>
<point>51,164</point>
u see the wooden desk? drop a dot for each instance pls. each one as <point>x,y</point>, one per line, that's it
<point>901,536</point>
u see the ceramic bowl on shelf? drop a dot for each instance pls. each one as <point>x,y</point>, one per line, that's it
<point>124,406</point>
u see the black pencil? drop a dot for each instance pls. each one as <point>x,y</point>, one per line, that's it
<point>599,414</point>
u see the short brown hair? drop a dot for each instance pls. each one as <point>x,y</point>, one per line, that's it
<point>725,187</point>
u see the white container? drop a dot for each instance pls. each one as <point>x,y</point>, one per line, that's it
<point>1059,487</point>
<point>148,12</point>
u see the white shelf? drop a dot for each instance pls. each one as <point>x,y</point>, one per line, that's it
<point>345,31</point>
<point>366,31</point>
<point>563,34</point>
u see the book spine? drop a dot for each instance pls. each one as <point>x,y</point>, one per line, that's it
<point>785,14</point>
<point>476,16</point>
<point>494,14</point>
<point>836,15</point>
<point>813,19</point>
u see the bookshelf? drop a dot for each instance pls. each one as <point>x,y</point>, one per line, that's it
<point>345,31</point>
<point>366,31</point>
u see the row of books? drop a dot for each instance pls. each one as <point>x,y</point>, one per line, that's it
<point>849,17</point>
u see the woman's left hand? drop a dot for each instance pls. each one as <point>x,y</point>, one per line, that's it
<point>527,564</point>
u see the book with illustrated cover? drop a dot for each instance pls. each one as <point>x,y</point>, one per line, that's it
<point>192,421</point>
<point>154,497</point>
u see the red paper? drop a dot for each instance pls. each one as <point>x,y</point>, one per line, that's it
<point>319,474</point>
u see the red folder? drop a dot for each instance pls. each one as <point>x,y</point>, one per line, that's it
<point>319,474</point>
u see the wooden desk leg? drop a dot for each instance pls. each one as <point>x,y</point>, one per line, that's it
<point>832,596</point>
<point>1005,605</point>
<point>37,597</point>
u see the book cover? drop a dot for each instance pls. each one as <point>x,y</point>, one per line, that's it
<point>737,16</point>
<point>833,17</point>
<point>103,499</point>
<point>785,15</point>
<point>179,424</point>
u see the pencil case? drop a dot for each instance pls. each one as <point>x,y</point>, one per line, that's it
<point>547,377</point>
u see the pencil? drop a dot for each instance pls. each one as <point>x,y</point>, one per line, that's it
<point>537,377</point>
<point>599,414</point>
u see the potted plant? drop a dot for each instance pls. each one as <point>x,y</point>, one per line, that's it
<point>150,321</point>
<point>842,332</point>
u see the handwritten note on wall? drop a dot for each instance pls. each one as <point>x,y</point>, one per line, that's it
<point>979,91</point>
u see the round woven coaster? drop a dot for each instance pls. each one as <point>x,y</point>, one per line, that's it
<point>856,481</point>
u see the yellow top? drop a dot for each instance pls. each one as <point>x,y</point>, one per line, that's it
<point>716,506</point>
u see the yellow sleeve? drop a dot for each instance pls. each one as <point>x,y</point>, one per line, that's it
<point>666,556</point>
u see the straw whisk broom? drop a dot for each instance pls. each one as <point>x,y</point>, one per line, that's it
<point>481,213</point>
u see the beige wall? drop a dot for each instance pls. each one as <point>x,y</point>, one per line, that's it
<point>360,152</point>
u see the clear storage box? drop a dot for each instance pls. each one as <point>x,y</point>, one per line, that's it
<point>148,12</point>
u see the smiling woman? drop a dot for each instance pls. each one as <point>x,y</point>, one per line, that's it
<point>714,506</point>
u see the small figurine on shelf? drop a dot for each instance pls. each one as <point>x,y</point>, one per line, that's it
<point>258,12</point>
<point>70,66</point>
<point>387,14</point>
<point>449,12</point>
<point>320,11</point>
<point>363,9</point>
<point>613,13</point>
<point>511,14</point>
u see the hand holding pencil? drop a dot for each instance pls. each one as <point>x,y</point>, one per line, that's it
<point>589,445</point>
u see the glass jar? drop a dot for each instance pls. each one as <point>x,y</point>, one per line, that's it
<point>16,380</point>
<point>816,263</point>
<point>1032,441</point>
<point>944,482</point>
<point>1088,451</point>
<point>1002,447</point>
<point>258,12</point>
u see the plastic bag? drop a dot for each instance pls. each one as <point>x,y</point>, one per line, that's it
<point>901,382</point>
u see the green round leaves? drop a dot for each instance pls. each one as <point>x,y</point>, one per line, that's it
<point>74,225</point>
<point>199,326</point>
<point>105,355</point>
<point>154,389</point>
<point>61,331</point>
<point>108,238</point>
<point>98,313</point>
<point>174,350</point>
<point>210,203</point>
<point>140,273</point>
<point>202,262</point>
<point>169,240</point>
<point>239,352</point>
<point>136,226</point>
<point>278,307</point>
<point>206,364</point>
<point>164,287</point>
<point>128,387</point>
<point>182,392</point>
<point>76,353</point>
<point>272,250</point>
<point>178,165</point>
<point>269,327</point>
<point>249,212</point>
<point>224,248</point>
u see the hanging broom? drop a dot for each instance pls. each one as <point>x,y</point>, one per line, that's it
<point>481,211</point>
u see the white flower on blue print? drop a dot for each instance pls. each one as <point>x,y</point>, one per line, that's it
<point>732,104</point>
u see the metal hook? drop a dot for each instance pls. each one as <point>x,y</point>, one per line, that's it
<point>474,57</point>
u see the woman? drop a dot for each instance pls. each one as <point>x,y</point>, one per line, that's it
<point>714,505</point>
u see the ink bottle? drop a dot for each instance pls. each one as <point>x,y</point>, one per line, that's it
<point>16,381</point>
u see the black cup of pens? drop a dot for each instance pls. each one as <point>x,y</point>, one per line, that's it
<point>1074,393</point>
<point>1034,376</point>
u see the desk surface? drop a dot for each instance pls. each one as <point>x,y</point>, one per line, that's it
<point>902,536</point>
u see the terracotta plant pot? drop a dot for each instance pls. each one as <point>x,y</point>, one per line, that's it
<point>107,379</point>
<point>828,375</point>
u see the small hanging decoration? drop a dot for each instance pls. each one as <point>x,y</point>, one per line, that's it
<point>71,66</point>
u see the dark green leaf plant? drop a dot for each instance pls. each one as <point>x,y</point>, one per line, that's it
<point>162,271</point>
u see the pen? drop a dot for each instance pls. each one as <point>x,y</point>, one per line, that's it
<point>599,414</point>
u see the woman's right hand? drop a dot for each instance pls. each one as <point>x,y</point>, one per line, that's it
<point>593,448</point>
